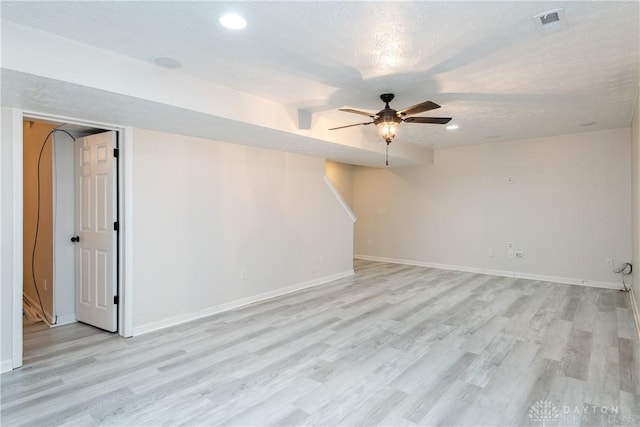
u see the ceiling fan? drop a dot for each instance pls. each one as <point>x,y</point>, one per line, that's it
<point>388,119</point>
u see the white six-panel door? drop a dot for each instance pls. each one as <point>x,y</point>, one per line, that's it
<point>95,216</point>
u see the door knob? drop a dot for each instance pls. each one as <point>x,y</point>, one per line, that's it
<point>75,239</point>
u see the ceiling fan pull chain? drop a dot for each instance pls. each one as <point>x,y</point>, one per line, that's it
<point>387,155</point>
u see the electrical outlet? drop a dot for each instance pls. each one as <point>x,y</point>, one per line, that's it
<point>490,252</point>
<point>321,259</point>
<point>369,243</point>
<point>609,262</point>
<point>44,284</point>
<point>510,250</point>
<point>518,254</point>
<point>510,179</point>
<point>243,274</point>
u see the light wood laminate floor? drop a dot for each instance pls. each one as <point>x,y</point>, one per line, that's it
<point>391,345</point>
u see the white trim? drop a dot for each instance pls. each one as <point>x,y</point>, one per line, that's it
<point>17,227</point>
<point>64,320</point>
<point>635,309</point>
<point>2,248</point>
<point>503,273</point>
<point>340,199</point>
<point>126,236</point>
<point>58,188</point>
<point>54,214</point>
<point>6,366</point>
<point>187,317</point>
<point>58,119</point>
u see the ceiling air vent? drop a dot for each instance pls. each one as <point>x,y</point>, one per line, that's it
<point>548,18</point>
<point>550,21</point>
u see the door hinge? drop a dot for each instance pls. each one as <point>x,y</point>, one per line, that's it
<point>116,226</point>
<point>116,300</point>
<point>116,152</point>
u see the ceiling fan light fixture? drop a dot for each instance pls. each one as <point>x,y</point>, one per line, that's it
<point>388,130</point>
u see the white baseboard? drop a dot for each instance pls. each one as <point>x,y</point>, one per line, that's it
<point>541,277</point>
<point>6,365</point>
<point>65,320</point>
<point>635,309</point>
<point>187,317</point>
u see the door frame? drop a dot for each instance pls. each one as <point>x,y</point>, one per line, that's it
<point>125,213</point>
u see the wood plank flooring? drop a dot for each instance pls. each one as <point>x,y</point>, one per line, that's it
<point>392,345</point>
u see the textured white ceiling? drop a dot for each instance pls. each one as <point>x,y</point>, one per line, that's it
<point>486,63</point>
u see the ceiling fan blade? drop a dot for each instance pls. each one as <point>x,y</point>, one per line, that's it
<point>418,108</point>
<point>362,113</point>
<point>348,126</point>
<point>434,120</point>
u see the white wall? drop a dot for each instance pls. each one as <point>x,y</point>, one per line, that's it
<point>6,240</point>
<point>568,208</point>
<point>207,211</point>
<point>11,126</point>
<point>64,227</point>
<point>635,162</point>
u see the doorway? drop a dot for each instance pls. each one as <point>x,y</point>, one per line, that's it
<point>69,172</point>
<point>17,120</point>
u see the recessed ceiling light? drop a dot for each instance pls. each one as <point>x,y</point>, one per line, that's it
<point>233,21</point>
<point>167,62</point>
<point>587,124</point>
<point>452,127</point>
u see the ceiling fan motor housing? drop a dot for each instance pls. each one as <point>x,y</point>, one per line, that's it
<point>388,115</point>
